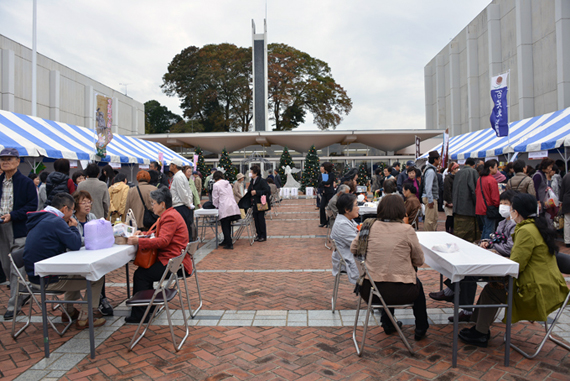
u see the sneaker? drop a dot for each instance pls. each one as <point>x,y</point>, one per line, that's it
<point>74,315</point>
<point>105,307</point>
<point>9,315</point>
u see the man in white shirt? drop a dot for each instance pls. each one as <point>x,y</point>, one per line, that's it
<point>182,196</point>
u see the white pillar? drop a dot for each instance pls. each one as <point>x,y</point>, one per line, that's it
<point>562,19</point>
<point>455,90</point>
<point>524,59</point>
<point>494,35</point>
<point>54,82</point>
<point>428,86</point>
<point>8,78</point>
<point>440,92</point>
<point>115,121</point>
<point>89,107</point>
<point>473,78</point>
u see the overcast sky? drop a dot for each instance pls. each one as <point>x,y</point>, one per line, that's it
<point>377,49</point>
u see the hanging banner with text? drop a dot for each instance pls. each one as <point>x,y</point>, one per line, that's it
<point>445,149</point>
<point>499,115</point>
<point>104,123</point>
<point>418,154</point>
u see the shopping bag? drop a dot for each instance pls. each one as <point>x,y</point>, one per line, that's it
<point>98,235</point>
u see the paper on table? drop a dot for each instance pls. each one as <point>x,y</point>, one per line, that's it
<point>446,248</point>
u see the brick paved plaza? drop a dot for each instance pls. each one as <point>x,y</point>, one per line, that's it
<point>266,315</point>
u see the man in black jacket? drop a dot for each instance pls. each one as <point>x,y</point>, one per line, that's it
<point>18,196</point>
<point>258,187</point>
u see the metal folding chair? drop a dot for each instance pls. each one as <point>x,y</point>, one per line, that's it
<point>165,292</point>
<point>17,261</point>
<point>244,225</point>
<point>374,291</point>
<point>548,334</point>
<point>191,249</point>
<point>416,219</point>
<point>337,277</point>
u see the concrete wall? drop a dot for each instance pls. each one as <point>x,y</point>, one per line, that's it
<point>63,94</point>
<point>531,38</point>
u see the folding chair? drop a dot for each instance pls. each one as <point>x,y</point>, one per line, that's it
<point>374,291</point>
<point>191,250</point>
<point>161,296</point>
<point>244,224</point>
<point>563,262</point>
<point>415,221</point>
<point>17,261</point>
<point>331,220</point>
<point>337,277</point>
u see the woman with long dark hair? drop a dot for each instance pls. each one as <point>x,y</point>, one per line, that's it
<point>327,184</point>
<point>541,181</point>
<point>487,193</point>
<point>107,175</point>
<point>540,287</point>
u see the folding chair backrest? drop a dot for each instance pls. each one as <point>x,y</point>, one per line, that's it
<point>18,257</point>
<point>191,248</point>
<point>173,266</point>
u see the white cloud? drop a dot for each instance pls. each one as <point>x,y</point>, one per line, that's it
<point>376,48</point>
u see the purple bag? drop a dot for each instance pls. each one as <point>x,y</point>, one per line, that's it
<point>98,235</point>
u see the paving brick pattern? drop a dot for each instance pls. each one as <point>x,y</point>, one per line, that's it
<point>240,282</point>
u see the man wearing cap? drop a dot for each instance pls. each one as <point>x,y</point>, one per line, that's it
<point>18,196</point>
<point>403,176</point>
<point>182,195</point>
<point>430,194</point>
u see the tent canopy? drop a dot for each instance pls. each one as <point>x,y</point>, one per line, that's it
<point>36,137</point>
<point>548,131</point>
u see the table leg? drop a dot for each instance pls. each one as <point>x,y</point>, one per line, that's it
<point>128,284</point>
<point>44,317</point>
<point>509,318</point>
<point>455,324</point>
<point>90,314</point>
<point>440,282</point>
<point>217,243</point>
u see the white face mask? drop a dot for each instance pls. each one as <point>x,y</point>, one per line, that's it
<point>505,211</point>
<point>250,175</point>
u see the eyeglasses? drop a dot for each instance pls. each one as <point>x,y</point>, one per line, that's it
<point>86,203</point>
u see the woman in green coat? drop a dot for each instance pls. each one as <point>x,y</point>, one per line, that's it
<point>540,288</point>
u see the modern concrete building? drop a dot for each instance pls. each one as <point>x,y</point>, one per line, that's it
<point>529,38</point>
<point>63,94</point>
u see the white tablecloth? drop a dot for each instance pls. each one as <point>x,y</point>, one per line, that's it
<point>309,191</point>
<point>206,212</point>
<point>362,210</point>
<point>470,260</point>
<point>91,264</point>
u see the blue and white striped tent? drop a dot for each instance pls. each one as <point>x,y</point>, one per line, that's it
<point>542,132</point>
<point>36,137</point>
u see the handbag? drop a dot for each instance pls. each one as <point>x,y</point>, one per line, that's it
<point>145,258</point>
<point>492,211</point>
<point>263,205</point>
<point>149,218</point>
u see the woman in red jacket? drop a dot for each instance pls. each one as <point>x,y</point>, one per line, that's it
<point>171,237</point>
<point>487,194</point>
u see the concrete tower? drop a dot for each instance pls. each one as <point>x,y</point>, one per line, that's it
<point>260,93</point>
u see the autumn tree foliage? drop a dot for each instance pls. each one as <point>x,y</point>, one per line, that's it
<point>214,84</point>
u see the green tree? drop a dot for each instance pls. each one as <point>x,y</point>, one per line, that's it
<point>214,86</point>
<point>310,177</point>
<point>362,174</point>
<point>202,168</point>
<point>158,119</point>
<point>284,161</point>
<point>226,163</point>
<point>299,83</point>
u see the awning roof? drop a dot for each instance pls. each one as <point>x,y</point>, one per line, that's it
<point>35,137</point>
<point>542,132</point>
<point>300,141</point>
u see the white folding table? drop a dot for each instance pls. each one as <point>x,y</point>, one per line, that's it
<point>90,264</point>
<point>209,217</point>
<point>470,260</point>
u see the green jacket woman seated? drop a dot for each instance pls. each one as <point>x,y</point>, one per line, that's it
<point>540,288</point>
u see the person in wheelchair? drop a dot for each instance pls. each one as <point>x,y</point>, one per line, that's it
<point>540,287</point>
<point>392,253</point>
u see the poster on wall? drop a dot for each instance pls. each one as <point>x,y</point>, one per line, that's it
<point>103,123</point>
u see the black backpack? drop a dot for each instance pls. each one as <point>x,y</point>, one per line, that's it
<point>422,185</point>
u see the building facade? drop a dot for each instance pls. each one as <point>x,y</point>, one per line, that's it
<point>530,39</point>
<point>63,94</point>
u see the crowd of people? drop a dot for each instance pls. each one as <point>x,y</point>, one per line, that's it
<point>508,211</point>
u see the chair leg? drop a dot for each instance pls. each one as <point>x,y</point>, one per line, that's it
<point>193,314</point>
<point>335,290</point>
<point>548,334</point>
<point>154,314</point>
<point>360,347</point>
<point>393,320</point>
<point>177,347</point>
